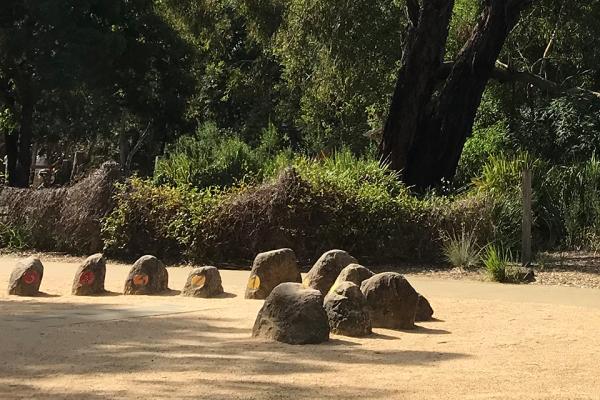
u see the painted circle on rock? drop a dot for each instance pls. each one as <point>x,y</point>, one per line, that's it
<point>30,277</point>
<point>198,281</point>
<point>140,279</point>
<point>87,278</point>
<point>254,282</point>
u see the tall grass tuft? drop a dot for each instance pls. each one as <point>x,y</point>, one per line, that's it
<point>498,264</point>
<point>461,250</point>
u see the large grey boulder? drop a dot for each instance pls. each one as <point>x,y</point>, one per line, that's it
<point>89,278</point>
<point>269,270</point>
<point>347,311</point>
<point>424,310</point>
<point>292,314</point>
<point>26,278</point>
<point>354,273</point>
<point>147,276</point>
<point>392,301</point>
<point>203,282</point>
<point>326,270</point>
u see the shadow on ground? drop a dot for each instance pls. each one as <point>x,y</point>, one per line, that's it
<point>38,342</point>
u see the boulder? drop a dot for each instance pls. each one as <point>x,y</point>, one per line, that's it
<point>147,276</point>
<point>326,270</point>
<point>292,314</point>
<point>392,301</point>
<point>89,279</point>
<point>347,311</point>
<point>354,273</point>
<point>424,310</point>
<point>26,278</point>
<point>269,270</point>
<point>203,282</point>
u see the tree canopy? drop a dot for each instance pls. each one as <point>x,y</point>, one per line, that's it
<point>124,79</point>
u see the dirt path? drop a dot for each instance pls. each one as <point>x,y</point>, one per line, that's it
<point>492,342</point>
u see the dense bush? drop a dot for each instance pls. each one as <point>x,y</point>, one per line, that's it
<point>566,201</point>
<point>217,157</point>
<point>310,206</point>
<point>63,219</point>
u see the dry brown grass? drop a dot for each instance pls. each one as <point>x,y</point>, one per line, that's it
<point>63,219</point>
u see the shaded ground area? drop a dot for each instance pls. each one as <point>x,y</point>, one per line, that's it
<point>491,341</point>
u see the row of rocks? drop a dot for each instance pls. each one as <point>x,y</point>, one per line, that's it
<point>337,295</point>
<point>148,275</point>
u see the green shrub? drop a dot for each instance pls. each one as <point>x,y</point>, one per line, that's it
<point>485,142</point>
<point>461,251</point>
<point>159,220</point>
<point>498,264</point>
<point>13,238</point>
<point>342,202</point>
<point>212,157</point>
<point>217,157</point>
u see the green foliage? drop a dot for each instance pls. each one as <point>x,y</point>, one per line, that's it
<point>217,157</point>
<point>312,206</point>
<point>462,251</point>
<point>155,219</point>
<point>464,16</point>
<point>339,63</point>
<point>497,263</point>
<point>13,238</point>
<point>211,157</point>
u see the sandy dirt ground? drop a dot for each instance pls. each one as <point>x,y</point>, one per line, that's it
<point>490,341</point>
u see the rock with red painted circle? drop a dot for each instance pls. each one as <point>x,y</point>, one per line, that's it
<point>203,282</point>
<point>147,276</point>
<point>89,278</point>
<point>26,278</point>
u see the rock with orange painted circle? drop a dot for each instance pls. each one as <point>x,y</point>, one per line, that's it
<point>147,276</point>
<point>89,278</point>
<point>26,278</point>
<point>203,282</point>
<point>269,270</point>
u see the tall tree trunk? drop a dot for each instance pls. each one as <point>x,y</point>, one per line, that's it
<point>429,142</point>
<point>12,148</point>
<point>23,159</point>
<point>422,58</point>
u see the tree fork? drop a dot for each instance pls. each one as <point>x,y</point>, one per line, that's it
<point>428,151</point>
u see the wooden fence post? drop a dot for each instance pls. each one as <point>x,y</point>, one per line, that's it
<point>527,218</point>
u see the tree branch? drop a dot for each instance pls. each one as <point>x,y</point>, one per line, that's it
<point>503,73</point>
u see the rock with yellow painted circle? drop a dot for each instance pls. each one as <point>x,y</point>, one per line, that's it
<point>147,276</point>
<point>203,282</point>
<point>269,270</point>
